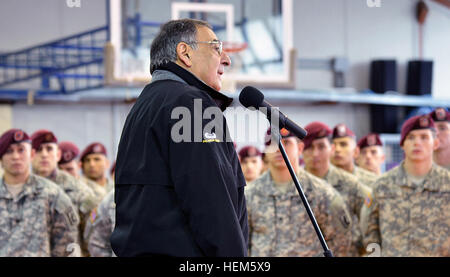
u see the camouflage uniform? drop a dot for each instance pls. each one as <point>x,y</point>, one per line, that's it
<point>408,219</point>
<point>100,227</point>
<point>109,185</point>
<point>365,177</point>
<point>356,195</point>
<point>41,222</point>
<point>83,198</point>
<point>98,190</point>
<point>279,224</point>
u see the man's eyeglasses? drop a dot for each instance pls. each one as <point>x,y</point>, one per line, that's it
<point>218,42</point>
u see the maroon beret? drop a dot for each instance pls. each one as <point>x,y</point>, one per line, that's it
<point>69,152</point>
<point>440,114</point>
<point>10,137</point>
<point>341,131</point>
<point>93,148</point>
<point>285,133</point>
<point>415,123</point>
<point>316,130</point>
<point>42,136</point>
<point>249,151</point>
<point>370,140</point>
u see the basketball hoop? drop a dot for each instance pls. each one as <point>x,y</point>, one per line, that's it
<point>233,50</point>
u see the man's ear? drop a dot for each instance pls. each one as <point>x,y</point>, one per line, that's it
<point>58,154</point>
<point>301,147</point>
<point>184,54</point>
<point>356,152</point>
<point>436,143</point>
<point>107,163</point>
<point>383,158</point>
<point>333,148</point>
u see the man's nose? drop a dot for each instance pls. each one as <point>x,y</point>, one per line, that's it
<point>15,154</point>
<point>315,152</point>
<point>225,59</point>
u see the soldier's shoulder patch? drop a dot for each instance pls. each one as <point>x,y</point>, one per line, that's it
<point>93,215</point>
<point>368,200</point>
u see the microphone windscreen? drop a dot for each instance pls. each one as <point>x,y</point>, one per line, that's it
<point>251,97</point>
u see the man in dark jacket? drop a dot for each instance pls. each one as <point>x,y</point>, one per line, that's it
<point>179,185</point>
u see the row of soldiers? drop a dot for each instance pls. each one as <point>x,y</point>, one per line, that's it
<point>46,207</point>
<point>48,210</point>
<point>361,212</point>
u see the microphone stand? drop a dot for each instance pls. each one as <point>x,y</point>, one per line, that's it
<point>327,252</point>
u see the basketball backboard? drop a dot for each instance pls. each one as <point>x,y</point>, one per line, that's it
<point>265,26</point>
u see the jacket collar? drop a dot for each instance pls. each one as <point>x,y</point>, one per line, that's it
<point>428,183</point>
<point>268,187</point>
<point>221,100</point>
<point>30,187</point>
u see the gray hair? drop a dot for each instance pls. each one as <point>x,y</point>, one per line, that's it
<point>164,46</point>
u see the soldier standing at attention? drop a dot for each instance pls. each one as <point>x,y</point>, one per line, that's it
<point>37,219</point>
<point>278,221</point>
<point>410,214</point>
<point>441,155</point>
<point>94,164</point>
<point>45,164</point>
<point>251,163</point>
<point>101,225</point>
<point>317,154</point>
<point>371,155</point>
<point>68,161</point>
<point>345,152</point>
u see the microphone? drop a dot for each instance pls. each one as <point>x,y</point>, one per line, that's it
<point>252,97</point>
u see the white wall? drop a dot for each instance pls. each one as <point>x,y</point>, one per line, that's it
<point>349,28</point>
<point>25,23</point>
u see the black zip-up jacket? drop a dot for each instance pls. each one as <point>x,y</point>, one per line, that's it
<point>177,199</point>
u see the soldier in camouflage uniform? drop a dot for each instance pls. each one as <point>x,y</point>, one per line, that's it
<point>371,155</point>
<point>94,164</point>
<point>410,214</point>
<point>278,222</point>
<point>68,161</point>
<point>100,227</point>
<point>45,165</point>
<point>345,153</point>
<point>70,164</point>
<point>316,155</point>
<point>37,219</point>
<point>441,155</point>
<point>251,163</point>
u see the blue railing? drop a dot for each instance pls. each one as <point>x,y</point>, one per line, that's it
<point>67,65</point>
<point>75,63</point>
